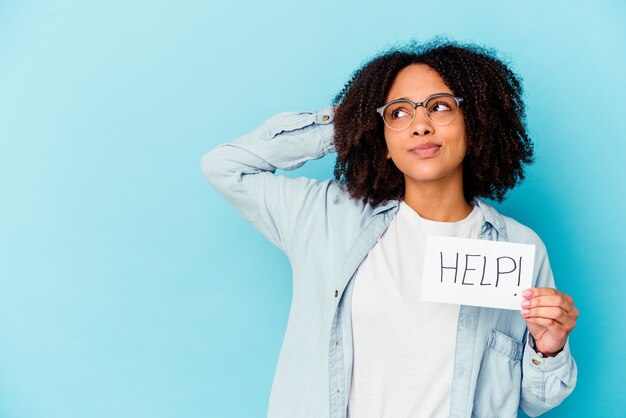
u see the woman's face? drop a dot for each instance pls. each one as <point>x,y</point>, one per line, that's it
<point>425,152</point>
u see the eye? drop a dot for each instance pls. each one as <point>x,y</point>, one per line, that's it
<point>440,106</point>
<point>400,111</point>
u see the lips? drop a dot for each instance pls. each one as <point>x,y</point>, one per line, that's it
<point>426,150</point>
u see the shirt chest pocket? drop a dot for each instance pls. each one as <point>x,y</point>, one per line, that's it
<point>499,380</point>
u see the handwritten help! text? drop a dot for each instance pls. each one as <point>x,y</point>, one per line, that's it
<point>476,272</point>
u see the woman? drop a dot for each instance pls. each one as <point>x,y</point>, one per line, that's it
<point>422,133</point>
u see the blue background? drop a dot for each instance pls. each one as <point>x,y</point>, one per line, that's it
<point>129,288</point>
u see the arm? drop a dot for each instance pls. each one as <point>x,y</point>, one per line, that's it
<point>243,170</point>
<point>546,380</point>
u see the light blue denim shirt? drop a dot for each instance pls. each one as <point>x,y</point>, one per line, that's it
<point>326,235</point>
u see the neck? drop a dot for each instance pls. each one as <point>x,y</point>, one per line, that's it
<point>437,202</point>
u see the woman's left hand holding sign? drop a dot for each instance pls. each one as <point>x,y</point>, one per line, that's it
<point>550,316</point>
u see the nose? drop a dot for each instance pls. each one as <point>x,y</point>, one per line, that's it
<point>421,125</point>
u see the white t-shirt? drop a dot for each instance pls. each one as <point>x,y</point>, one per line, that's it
<point>403,348</point>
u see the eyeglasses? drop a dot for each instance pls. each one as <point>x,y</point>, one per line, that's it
<point>440,109</point>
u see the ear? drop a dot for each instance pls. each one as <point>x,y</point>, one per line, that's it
<point>388,156</point>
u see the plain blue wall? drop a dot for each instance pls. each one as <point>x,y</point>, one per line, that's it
<point>129,288</point>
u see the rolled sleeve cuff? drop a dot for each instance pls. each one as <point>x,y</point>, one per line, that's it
<point>326,116</point>
<point>537,361</point>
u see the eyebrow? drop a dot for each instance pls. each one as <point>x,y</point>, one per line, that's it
<point>420,101</point>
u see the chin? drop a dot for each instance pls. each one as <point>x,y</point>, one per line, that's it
<point>422,176</point>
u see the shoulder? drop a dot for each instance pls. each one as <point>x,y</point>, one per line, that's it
<point>513,230</point>
<point>518,232</point>
<point>332,198</point>
<point>331,220</point>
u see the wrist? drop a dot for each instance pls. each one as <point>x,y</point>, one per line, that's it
<point>542,353</point>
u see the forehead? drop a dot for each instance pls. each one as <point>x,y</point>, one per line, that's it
<point>417,82</point>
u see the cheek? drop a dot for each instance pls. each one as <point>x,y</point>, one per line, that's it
<point>464,147</point>
<point>463,135</point>
<point>459,142</point>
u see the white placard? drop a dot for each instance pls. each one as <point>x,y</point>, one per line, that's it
<point>476,272</point>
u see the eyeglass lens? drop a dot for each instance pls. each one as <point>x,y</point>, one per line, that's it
<point>440,110</point>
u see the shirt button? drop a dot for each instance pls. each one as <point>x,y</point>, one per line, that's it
<point>536,362</point>
<point>338,391</point>
<point>325,118</point>
<point>336,293</point>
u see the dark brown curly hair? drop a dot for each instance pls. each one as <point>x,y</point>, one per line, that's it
<point>497,143</point>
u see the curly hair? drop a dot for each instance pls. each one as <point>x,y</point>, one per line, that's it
<point>497,143</point>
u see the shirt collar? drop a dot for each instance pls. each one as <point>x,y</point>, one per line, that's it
<point>490,215</point>
<point>383,207</point>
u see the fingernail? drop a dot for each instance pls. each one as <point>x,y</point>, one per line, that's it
<point>525,311</point>
<point>525,303</point>
<point>527,292</point>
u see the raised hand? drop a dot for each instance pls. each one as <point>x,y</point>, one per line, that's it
<point>550,316</point>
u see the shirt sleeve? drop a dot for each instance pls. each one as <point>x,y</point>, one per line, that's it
<point>243,170</point>
<point>546,381</point>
